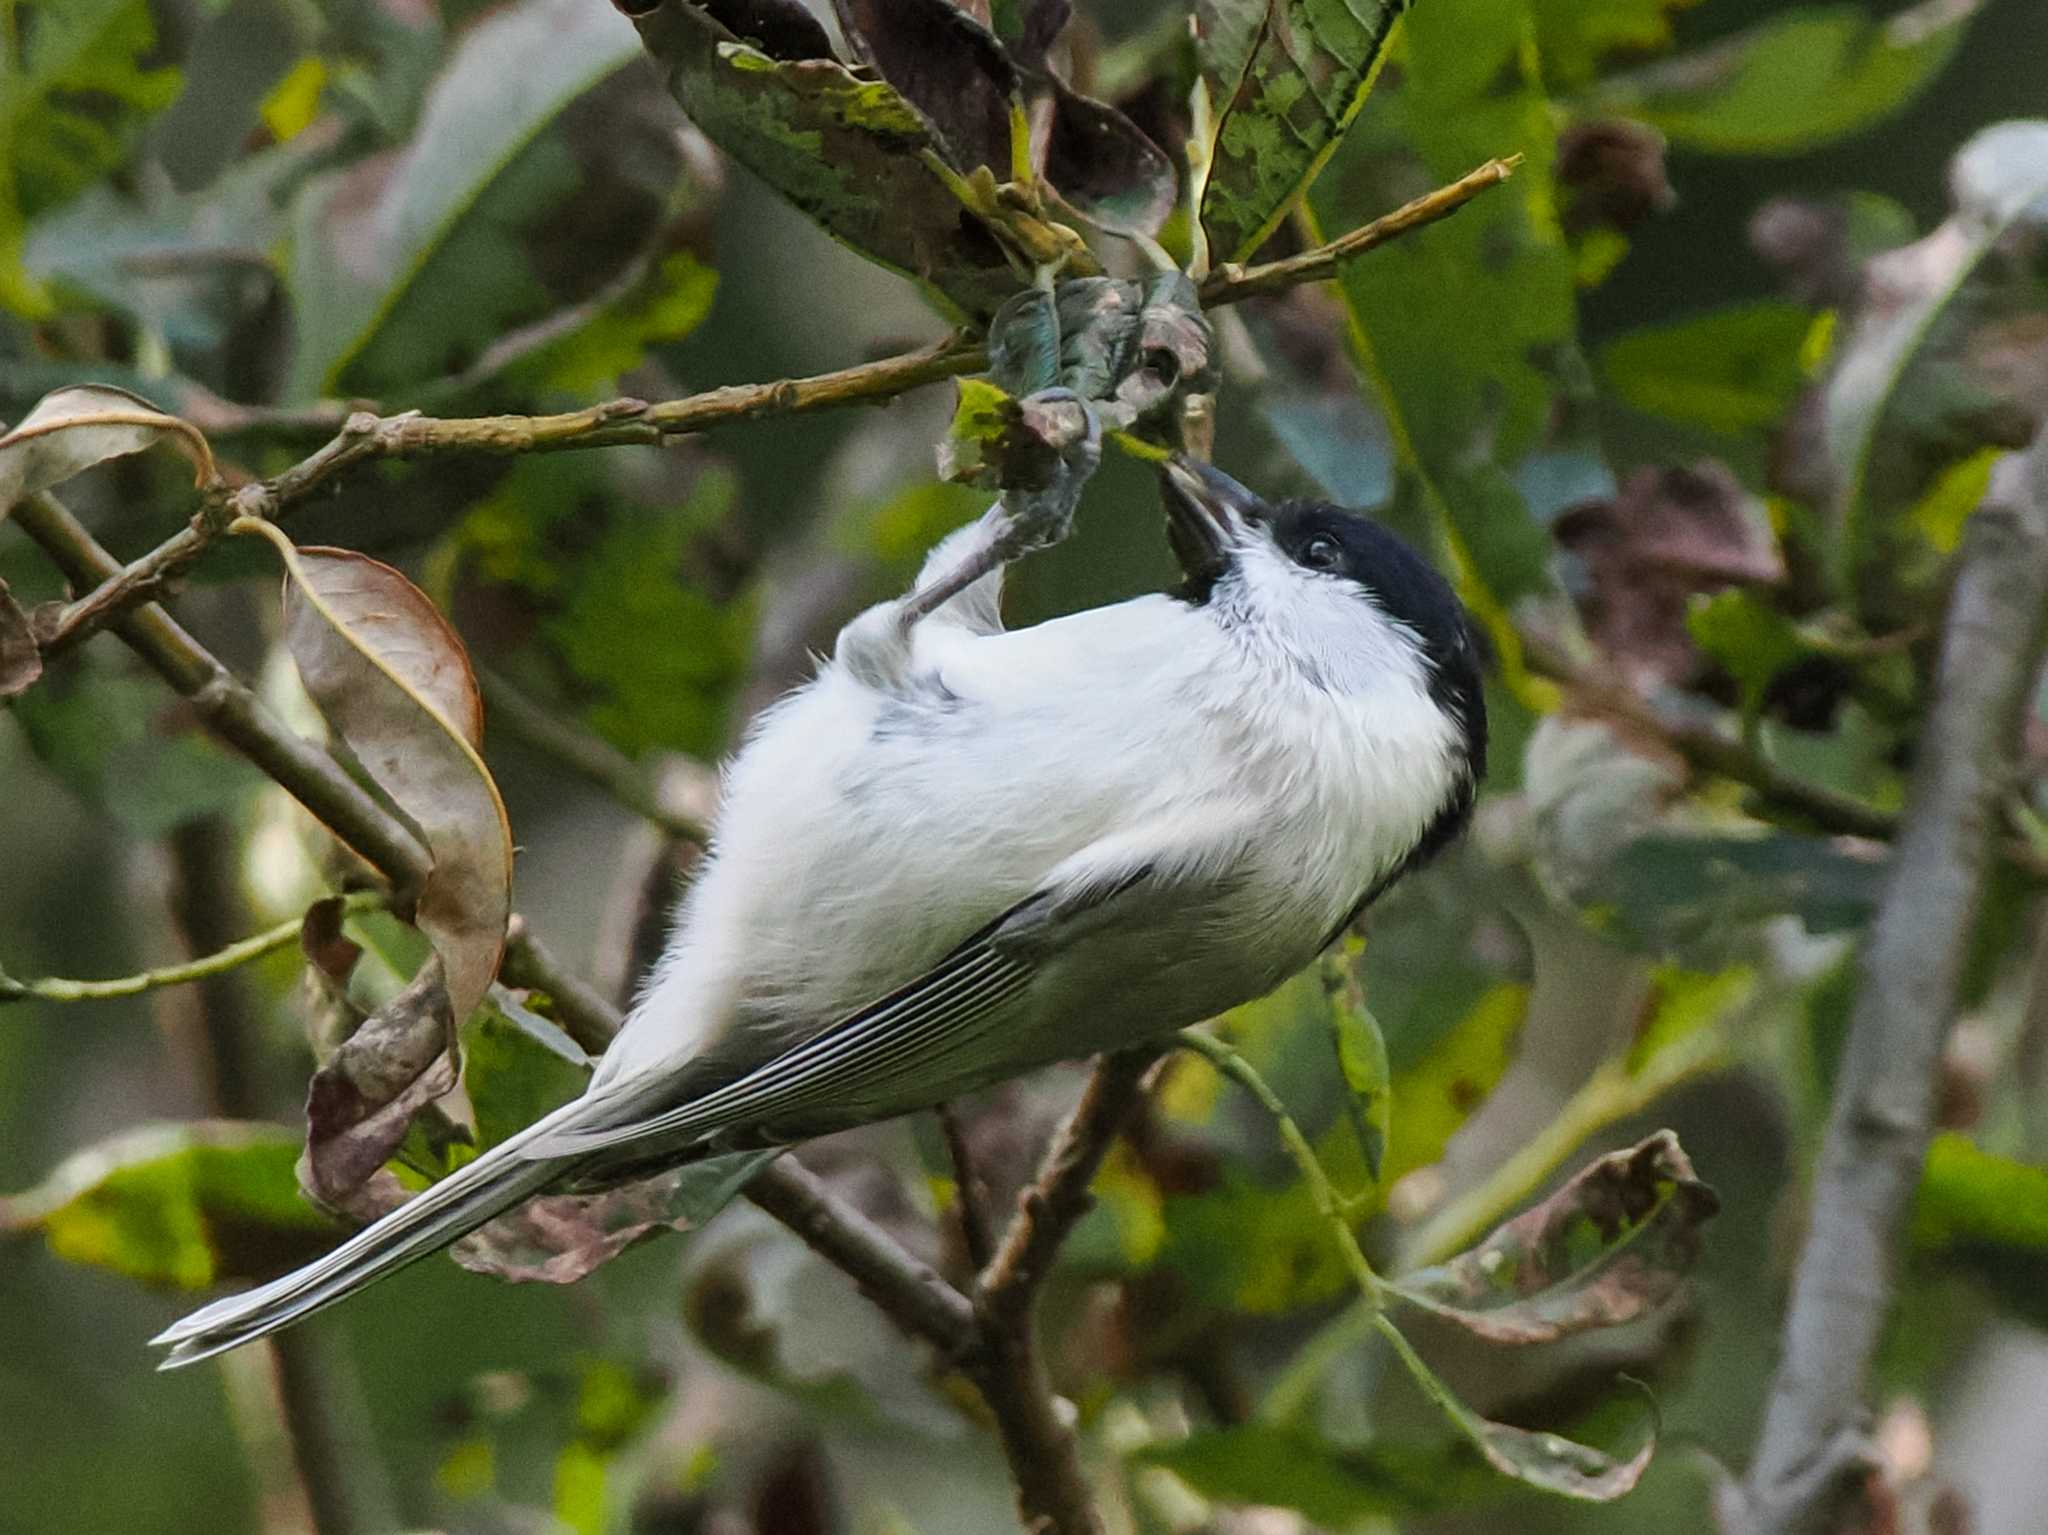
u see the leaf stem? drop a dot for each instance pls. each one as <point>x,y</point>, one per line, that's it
<point>309,773</point>
<point>233,956</point>
<point>1371,1288</point>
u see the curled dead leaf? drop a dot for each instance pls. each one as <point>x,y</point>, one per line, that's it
<point>72,429</point>
<point>1613,1244</point>
<point>361,1100</point>
<point>559,1238</point>
<point>21,660</point>
<point>1671,533</point>
<point>394,681</point>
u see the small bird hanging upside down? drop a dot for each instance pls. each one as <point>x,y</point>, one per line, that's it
<point>962,852</point>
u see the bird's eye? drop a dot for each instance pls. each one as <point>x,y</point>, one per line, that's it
<point>1321,553</point>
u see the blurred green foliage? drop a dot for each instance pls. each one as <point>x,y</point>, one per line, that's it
<point>1701,400</point>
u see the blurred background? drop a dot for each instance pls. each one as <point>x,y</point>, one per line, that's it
<point>202,206</point>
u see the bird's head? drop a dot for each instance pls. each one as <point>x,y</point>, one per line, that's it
<point>1344,597</point>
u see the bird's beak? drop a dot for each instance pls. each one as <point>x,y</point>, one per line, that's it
<point>1207,515</point>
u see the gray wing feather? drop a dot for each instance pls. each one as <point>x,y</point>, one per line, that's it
<point>871,1058</point>
<point>828,1075</point>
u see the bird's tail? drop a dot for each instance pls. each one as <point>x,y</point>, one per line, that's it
<point>457,1205</point>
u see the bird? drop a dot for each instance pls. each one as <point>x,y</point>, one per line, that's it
<point>960,852</point>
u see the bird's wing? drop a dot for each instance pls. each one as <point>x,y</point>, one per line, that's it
<point>870,1056</point>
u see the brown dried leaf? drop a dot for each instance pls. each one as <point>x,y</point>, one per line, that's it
<point>1613,1244</point>
<point>559,1238</point>
<point>1671,533</point>
<point>393,680</point>
<point>360,1102</point>
<point>21,661</point>
<point>70,430</point>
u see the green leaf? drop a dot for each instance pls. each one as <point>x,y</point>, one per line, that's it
<point>1752,640</point>
<point>1802,79</point>
<point>1452,1078</point>
<point>1729,370</point>
<point>1932,369</point>
<point>109,733</point>
<point>74,90</point>
<point>1612,1245</point>
<point>1987,1215</point>
<point>985,419</point>
<point>662,656</point>
<point>1287,77</point>
<point>663,304</point>
<point>185,1205</point>
<point>1702,896</point>
<point>509,206</point>
<point>1361,1054</point>
<point>516,1066</point>
<point>1332,1485</point>
<point>1465,328</point>
<point>1548,1462</point>
<point>844,149</point>
<point>1574,36</point>
<point>1969,1195</point>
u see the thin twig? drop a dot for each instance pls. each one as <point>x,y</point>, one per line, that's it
<point>970,1195</point>
<point>592,758</point>
<point>227,708</point>
<point>1232,283</point>
<point>364,435</point>
<point>582,1010</point>
<point>1811,1450</point>
<point>1709,749</point>
<point>1053,1494</point>
<point>1058,1197</point>
<point>913,1294</point>
<point>1329,1205</point>
<point>230,957</point>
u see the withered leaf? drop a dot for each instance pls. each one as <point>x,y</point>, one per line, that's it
<point>1613,1244</point>
<point>21,660</point>
<point>947,65</point>
<point>559,1238</point>
<point>845,149</point>
<point>361,1100</point>
<point>1671,532</point>
<point>72,429</point>
<point>394,681</point>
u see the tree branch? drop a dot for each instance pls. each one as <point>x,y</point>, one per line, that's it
<point>227,708</point>
<point>1055,1200</point>
<point>970,1195</point>
<point>1811,1447</point>
<point>910,1292</point>
<point>1053,1494</point>
<point>364,435</point>
<point>1232,283</point>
